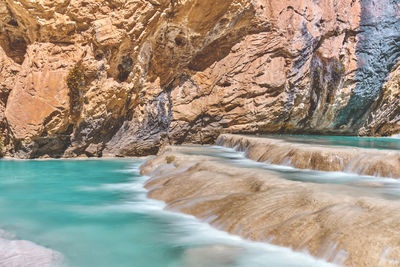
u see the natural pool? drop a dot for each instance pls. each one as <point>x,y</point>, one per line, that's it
<point>95,212</point>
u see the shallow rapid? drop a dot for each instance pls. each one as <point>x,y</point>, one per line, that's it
<point>83,213</point>
<point>310,197</point>
<point>95,213</point>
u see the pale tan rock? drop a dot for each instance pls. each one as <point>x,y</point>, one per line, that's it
<point>362,161</point>
<point>335,222</point>
<point>106,33</point>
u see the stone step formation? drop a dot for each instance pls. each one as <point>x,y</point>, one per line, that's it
<point>347,223</point>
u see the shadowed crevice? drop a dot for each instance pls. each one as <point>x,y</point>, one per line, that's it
<point>378,50</point>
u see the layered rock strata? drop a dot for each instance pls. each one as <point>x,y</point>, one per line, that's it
<point>123,77</point>
<point>345,228</point>
<point>363,161</point>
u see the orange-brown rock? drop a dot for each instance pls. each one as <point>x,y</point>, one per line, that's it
<point>168,71</point>
<point>8,71</point>
<point>39,97</point>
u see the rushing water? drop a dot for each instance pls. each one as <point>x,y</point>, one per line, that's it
<point>353,184</point>
<point>96,213</point>
<point>389,143</point>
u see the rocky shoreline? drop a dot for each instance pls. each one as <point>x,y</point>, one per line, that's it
<point>328,221</point>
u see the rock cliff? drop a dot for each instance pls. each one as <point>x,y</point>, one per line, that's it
<point>123,77</point>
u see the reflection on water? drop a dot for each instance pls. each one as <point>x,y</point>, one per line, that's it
<point>96,213</point>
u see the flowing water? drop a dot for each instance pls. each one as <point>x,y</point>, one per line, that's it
<point>95,212</point>
<point>361,185</point>
<point>356,185</point>
<point>352,141</point>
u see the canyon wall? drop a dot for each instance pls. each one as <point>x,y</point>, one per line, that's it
<point>123,77</point>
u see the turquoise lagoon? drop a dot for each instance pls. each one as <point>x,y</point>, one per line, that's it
<point>95,212</point>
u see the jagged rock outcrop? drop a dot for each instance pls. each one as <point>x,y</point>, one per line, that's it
<point>123,77</point>
<point>336,222</point>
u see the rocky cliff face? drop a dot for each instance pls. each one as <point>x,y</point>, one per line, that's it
<point>123,77</point>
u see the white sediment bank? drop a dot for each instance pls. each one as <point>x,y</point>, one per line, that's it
<point>22,253</point>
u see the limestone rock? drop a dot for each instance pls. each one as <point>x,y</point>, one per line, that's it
<point>362,161</point>
<point>336,222</point>
<point>157,72</point>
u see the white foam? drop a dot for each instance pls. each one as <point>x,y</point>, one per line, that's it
<point>396,136</point>
<point>192,233</point>
<point>188,231</point>
<point>333,176</point>
<point>124,187</point>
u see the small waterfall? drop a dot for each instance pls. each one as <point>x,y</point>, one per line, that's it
<point>328,221</point>
<point>373,162</point>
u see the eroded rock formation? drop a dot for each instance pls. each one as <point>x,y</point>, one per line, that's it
<point>175,71</point>
<point>334,222</point>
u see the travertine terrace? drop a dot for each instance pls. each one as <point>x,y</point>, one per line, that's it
<point>363,161</point>
<point>334,222</point>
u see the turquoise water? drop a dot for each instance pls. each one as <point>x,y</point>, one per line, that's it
<point>96,214</point>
